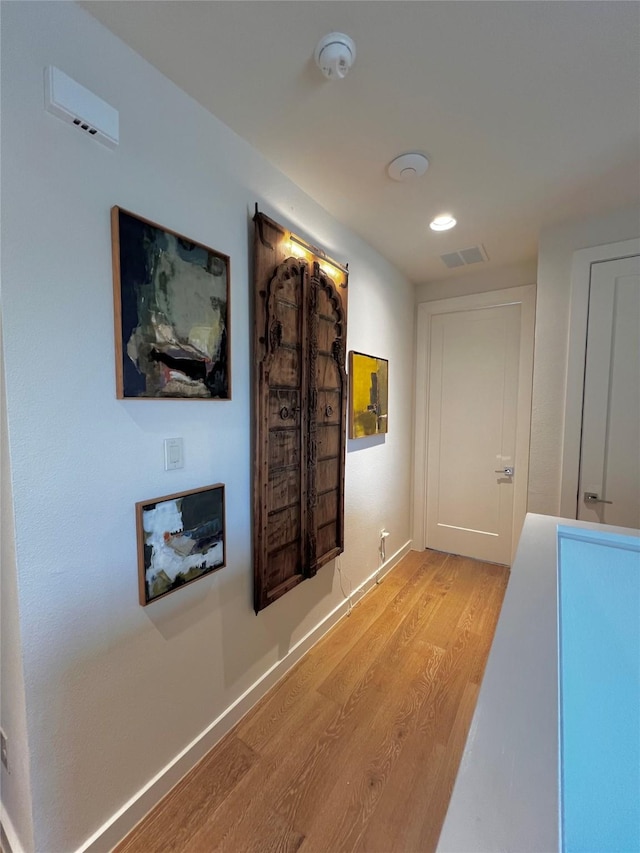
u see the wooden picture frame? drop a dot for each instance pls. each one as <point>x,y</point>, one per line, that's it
<point>181,538</point>
<point>171,313</point>
<point>368,395</point>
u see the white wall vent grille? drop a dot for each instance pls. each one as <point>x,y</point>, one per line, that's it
<point>78,106</point>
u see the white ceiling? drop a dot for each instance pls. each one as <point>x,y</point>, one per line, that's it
<point>529,111</point>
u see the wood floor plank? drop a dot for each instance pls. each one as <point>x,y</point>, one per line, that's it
<point>404,806</point>
<point>460,666</point>
<point>486,627</point>
<point>381,686</point>
<point>256,827</point>
<point>373,643</point>
<point>410,787</point>
<point>394,827</point>
<point>257,727</point>
<point>455,597</point>
<point>456,671</point>
<point>272,740</point>
<point>250,811</point>
<point>344,815</point>
<point>492,604</point>
<point>357,748</point>
<point>193,799</point>
<point>291,701</point>
<point>441,792</point>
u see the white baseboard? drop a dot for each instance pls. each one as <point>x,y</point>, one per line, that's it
<point>8,833</point>
<point>123,821</point>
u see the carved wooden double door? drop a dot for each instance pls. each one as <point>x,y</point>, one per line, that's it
<point>300,407</point>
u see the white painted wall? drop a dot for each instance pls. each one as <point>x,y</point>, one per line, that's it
<point>557,245</point>
<point>472,280</point>
<point>115,691</point>
<point>15,789</point>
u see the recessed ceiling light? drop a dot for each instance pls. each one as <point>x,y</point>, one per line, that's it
<point>407,166</point>
<point>442,223</point>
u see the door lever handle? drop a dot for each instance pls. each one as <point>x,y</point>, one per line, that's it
<point>508,472</point>
<point>592,498</point>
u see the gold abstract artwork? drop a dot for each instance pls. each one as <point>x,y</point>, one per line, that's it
<point>368,395</point>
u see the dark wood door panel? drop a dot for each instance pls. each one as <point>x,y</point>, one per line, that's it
<point>284,448</point>
<point>327,507</point>
<point>326,334</point>
<point>329,441</point>
<point>327,302</point>
<point>284,408</point>
<point>285,369</point>
<point>300,410</point>
<point>284,565</point>
<point>283,527</point>
<point>288,285</point>
<point>328,538</point>
<point>289,315</point>
<point>329,407</point>
<point>328,473</point>
<point>328,372</point>
<point>284,487</point>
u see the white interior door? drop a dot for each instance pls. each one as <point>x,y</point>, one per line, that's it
<point>473,385</point>
<point>610,448</point>
<point>473,408</point>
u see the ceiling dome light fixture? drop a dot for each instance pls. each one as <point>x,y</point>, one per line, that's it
<point>334,55</point>
<point>407,166</point>
<point>442,223</point>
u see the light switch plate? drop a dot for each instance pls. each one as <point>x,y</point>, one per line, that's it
<point>173,454</point>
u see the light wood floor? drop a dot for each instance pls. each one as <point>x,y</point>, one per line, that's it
<point>357,748</point>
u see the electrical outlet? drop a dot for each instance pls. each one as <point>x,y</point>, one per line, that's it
<point>3,749</point>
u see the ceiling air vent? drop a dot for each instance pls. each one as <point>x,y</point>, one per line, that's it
<point>463,257</point>
<point>452,260</point>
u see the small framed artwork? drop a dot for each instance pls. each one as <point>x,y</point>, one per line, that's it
<point>171,301</point>
<point>368,395</point>
<point>181,538</point>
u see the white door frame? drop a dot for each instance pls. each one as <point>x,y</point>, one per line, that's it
<point>524,296</point>
<point>581,265</point>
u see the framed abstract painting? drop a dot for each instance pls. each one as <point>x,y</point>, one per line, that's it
<point>368,395</point>
<point>181,538</point>
<point>171,300</point>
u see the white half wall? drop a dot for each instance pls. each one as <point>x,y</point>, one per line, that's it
<point>115,692</point>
